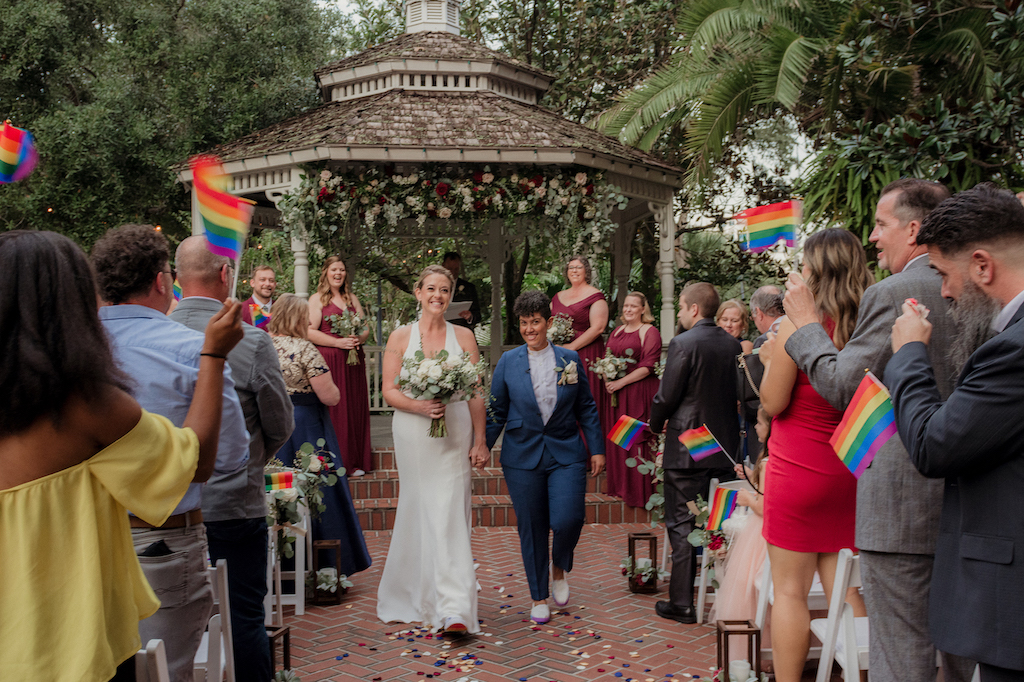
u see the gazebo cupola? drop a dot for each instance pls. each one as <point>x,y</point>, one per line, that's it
<point>431,57</point>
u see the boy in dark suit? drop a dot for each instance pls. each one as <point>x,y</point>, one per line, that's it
<point>541,398</point>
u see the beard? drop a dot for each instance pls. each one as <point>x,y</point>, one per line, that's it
<point>972,315</point>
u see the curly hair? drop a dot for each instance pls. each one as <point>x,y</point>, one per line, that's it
<point>126,259</point>
<point>588,272</point>
<point>839,275</point>
<point>530,302</point>
<point>52,343</point>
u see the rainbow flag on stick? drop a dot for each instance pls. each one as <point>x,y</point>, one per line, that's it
<point>868,424</point>
<point>767,225</point>
<point>722,506</point>
<point>626,431</point>
<point>701,443</point>
<point>18,156</point>
<point>259,318</point>
<point>225,217</point>
<point>279,480</point>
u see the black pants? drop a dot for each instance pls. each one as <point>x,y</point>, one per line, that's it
<point>125,671</point>
<point>682,486</point>
<point>990,673</point>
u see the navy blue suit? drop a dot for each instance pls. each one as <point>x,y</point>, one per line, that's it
<point>545,465</point>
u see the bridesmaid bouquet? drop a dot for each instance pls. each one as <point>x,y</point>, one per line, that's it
<point>348,324</point>
<point>561,332</point>
<point>612,367</point>
<point>448,379</point>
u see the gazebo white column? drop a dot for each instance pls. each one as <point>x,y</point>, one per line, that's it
<point>666,267</point>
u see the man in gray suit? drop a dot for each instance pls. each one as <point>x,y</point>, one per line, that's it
<point>234,506</point>
<point>974,438</point>
<point>897,508</point>
<point>695,390</point>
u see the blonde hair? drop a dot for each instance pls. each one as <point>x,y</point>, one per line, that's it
<point>838,277</point>
<point>646,317</point>
<point>323,287</point>
<point>435,270</point>
<point>738,305</point>
<point>290,317</point>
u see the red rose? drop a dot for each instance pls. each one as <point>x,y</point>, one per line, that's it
<point>501,192</point>
<point>442,188</point>
<point>537,180</point>
<point>382,201</point>
<point>623,570</point>
<point>588,190</point>
<point>479,205</point>
<point>325,195</point>
<point>352,191</point>
<point>524,188</point>
<point>427,183</point>
<point>716,543</point>
<point>478,177</point>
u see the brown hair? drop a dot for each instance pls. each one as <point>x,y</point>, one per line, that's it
<point>324,288</point>
<point>646,317</point>
<point>290,317</point>
<point>838,277</point>
<point>704,295</point>
<point>588,272</point>
<point>733,303</point>
<point>261,268</point>
<point>917,198</point>
<point>126,260</point>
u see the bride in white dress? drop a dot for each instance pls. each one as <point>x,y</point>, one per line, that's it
<point>428,575</point>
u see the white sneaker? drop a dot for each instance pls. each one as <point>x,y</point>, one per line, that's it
<point>540,613</point>
<point>560,591</point>
<point>357,473</point>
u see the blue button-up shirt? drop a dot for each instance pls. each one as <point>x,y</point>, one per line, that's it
<point>162,359</point>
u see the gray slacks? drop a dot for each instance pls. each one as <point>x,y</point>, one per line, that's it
<point>896,588</point>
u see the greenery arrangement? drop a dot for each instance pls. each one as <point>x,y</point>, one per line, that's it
<point>656,502</point>
<point>714,542</point>
<point>643,572</point>
<point>316,470</point>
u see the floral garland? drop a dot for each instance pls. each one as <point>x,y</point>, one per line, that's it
<point>376,199</point>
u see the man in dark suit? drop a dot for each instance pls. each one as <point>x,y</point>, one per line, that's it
<point>464,291</point>
<point>695,390</point>
<point>975,437</point>
<point>897,508</point>
<point>540,397</point>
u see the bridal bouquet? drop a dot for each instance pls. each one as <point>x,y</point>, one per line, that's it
<point>348,324</point>
<point>561,332</point>
<point>612,367</point>
<point>449,379</point>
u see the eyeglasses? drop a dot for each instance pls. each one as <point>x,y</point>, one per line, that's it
<point>171,272</point>
<point>575,267</point>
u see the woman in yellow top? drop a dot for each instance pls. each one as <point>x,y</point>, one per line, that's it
<point>75,451</point>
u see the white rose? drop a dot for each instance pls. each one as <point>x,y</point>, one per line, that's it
<point>555,182</point>
<point>488,178</point>
<point>315,464</point>
<point>325,175</point>
<point>445,212</point>
<point>581,178</point>
<point>435,371</point>
<point>288,494</point>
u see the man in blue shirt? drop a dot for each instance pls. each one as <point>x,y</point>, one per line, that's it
<point>162,358</point>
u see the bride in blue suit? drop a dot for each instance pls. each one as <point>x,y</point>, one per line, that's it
<point>541,398</point>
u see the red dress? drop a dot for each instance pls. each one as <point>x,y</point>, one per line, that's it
<point>634,400</point>
<point>351,416</point>
<point>812,501</point>
<point>580,314</point>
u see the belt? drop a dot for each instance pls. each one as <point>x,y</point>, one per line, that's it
<point>184,520</point>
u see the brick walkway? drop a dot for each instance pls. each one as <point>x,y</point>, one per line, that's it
<point>606,633</point>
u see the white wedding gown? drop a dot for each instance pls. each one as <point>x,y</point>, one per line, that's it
<point>429,575</point>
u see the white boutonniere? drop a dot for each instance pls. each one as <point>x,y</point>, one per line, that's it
<point>569,373</point>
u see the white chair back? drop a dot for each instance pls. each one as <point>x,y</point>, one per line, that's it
<point>215,659</point>
<point>703,578</point>
<point>766,596</point>
<point>843,637</point>
<point>151,663</point>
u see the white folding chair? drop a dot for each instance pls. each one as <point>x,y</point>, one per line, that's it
<point>843,637</point>
<point>303,555</point>
<point>766,595</point>
<point>215,658</point>
<point>151,663</point>
<point>702,578</point>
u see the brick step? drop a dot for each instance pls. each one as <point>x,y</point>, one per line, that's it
<point>496,510</point>
<point>490,481</point>
<point>384,458</point>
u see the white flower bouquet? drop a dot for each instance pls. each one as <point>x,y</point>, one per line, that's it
<point>442,377</point>
<point>561,332</point>
<point>348,324</point>
<point>612,367</point>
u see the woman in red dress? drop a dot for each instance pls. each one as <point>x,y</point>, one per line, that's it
<point>587,307</point>
<point>351,416</point>
<point>809,509</point>
<point>635,392</point>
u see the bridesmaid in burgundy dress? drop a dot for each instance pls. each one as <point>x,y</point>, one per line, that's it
<point>635,392</point>
<point>351,416</point>
<point>587,307</point>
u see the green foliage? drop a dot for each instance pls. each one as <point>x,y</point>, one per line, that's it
<point>713,257</point>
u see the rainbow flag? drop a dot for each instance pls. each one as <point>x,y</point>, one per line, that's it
<point>225,217</point>
<point>177,290</point>
<point>700,443</point>
<point>868,424</point>
<point>259,318</point>
<point>722,506</point>
<point>626,431</point>
<point>279,480</point>
<point>18,156</point>
<point>767,225</point>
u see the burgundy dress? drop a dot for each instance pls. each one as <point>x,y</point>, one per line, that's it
<point>635,401</point>
<point>580,314</point>
<point>351,416</point>
<point>812,501</point>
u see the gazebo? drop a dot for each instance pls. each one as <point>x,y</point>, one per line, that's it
<point>432,96</point>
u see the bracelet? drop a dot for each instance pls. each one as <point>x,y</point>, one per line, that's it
<point>213,355</point>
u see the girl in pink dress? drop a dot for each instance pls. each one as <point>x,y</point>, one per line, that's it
<point>351,416</point>
<point>588,309</point>
<point>635,392</point>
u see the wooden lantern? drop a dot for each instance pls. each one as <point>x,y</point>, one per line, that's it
<point>323,597</point>
<point>727,628</point>
<point>651,539</point>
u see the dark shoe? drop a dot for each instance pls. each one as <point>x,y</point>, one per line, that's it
<point>686,614</point>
